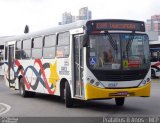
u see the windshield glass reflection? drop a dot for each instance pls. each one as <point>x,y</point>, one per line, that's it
<point>118,51</point>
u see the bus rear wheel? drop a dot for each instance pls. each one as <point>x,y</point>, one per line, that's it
<point>120,101</point>
<point>22,90</point>
<point>67,96</point>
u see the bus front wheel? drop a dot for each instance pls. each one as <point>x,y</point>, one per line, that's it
<point>120,101</point>
<point>67,96</point>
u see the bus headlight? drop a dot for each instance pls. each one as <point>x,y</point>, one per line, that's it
<point>92,81</point>
<point>98,84</point>
<point>144,82</point>
<point>95,83</point>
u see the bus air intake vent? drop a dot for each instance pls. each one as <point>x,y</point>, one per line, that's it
<point>120,75</point>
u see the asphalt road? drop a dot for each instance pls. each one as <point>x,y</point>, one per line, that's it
<point>51,106</point>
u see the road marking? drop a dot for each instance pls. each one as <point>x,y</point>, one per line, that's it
<point>4,108</point>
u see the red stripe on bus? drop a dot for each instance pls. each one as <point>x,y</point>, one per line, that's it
<point>44,76</point>
<point>22,72</point>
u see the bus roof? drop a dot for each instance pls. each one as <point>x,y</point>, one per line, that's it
<point>66,27</point>
<point>60,28</point>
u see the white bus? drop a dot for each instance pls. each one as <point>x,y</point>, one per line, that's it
<point>69,61</point>
<point>155,58</point>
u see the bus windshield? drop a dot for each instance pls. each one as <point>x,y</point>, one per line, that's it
<point>119,51</point>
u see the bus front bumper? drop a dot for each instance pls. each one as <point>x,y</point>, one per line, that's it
<point>93,92</point>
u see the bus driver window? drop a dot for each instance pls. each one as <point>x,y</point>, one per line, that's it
<point>103,59</point>
<point>106,57</point>
<point>110,56</point>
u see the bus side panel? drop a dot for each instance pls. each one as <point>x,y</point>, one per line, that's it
<point>56,70</point>
<point>37,76</point>
<point>43,76</point>
<point>64,72</point>
<point>29,71</point>
<point>50,76</point>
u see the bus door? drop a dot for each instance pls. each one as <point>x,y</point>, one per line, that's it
<point>1,59</point>
<point>78,67</point>
<point>11,66</point>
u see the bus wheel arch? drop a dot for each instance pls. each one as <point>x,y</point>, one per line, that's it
<point>62,87</point>
<point>65,92</point>
<point>19,78</point>
<point>22,90</point>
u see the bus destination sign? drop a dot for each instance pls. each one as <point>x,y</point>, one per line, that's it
<point>106,25</point>
<point>117,25</point>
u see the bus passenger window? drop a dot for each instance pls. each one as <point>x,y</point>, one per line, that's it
<point>37,44</point>
<point>49,46</point>
<point>63,45</point>
<point>18,50</point>
<point>26,52</point>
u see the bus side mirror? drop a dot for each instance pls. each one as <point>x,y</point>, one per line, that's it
<point>84,40</point>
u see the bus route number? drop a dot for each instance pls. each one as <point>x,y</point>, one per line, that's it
<point>113,84</point>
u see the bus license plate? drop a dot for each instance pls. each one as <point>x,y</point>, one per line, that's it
<point>125,93</point>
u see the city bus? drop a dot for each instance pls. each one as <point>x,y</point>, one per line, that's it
<point>155,58</point>
<point>68,61</point>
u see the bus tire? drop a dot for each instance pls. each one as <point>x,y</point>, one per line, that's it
<point>153,73</point>
<point>120,101</point>
<point>22,90</point>
<point>67,96</point>
<point>31,94</point>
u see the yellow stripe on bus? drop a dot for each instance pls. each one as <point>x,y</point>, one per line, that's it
<point>93,92</point>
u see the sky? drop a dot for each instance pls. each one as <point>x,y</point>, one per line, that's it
<point>42,14</point>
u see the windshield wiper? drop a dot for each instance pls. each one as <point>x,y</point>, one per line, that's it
<point>112,42</point>
<point>130,40</point>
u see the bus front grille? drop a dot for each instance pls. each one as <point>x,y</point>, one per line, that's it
<point>120,75</point>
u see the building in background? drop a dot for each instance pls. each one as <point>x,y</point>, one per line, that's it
<point>66,18</point>
<point>153,28</point>
<point>84,14</point>
<point>153,24</point>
